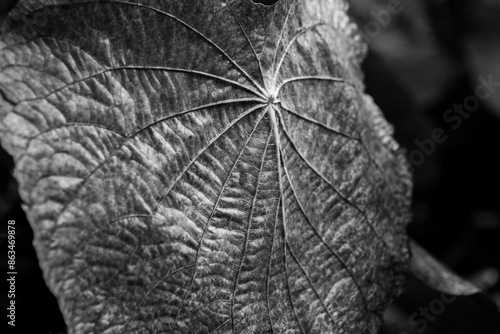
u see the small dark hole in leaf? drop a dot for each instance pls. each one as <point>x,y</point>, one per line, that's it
<point>266,2</point>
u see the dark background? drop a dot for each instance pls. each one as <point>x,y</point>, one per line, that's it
<point>422,62</point>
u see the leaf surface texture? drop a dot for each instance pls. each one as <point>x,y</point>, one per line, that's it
<point>204,166</point>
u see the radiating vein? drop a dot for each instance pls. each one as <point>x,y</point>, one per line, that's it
<point>270,261</point>
<point>259,96</point>
<point>247,236</point>
<point>213,212</point>
<point>334,253</point>
<point>292,41</point>
<point>187,25</point>
<point>309,281</point>
<point>312,77</point>
<point>345,199</point>
<point>282,33</point>
<point>278,157</point>
<point>247,38</point>
<point>82,183</point>
<point>220,326</point>
<point>310,120</point>
<point>199,153</point>
<point>73,124</point>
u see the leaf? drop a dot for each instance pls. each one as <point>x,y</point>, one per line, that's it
<point>422,309</point>
<point>436,275</point>
<point>204,166</point>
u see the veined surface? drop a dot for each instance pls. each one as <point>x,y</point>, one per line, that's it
<point>203,166</point>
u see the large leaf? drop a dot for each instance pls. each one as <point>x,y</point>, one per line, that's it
<point>204,166</point>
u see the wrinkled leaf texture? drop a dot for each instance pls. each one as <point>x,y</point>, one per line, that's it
<point>204,166</point>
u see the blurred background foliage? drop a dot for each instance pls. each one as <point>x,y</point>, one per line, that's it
<point>421,61</point>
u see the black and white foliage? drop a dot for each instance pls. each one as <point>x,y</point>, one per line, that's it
<point>204,166</point>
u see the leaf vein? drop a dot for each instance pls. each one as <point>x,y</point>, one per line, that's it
<point>248,230</point>
<point>344,198</point>
<point>323,241</point>
<point>213,212</point>
<point>195,31</point>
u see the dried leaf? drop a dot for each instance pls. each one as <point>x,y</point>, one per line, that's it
<point>204,166</point>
